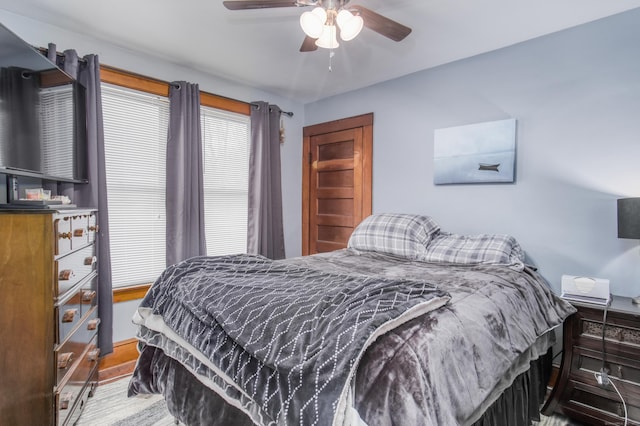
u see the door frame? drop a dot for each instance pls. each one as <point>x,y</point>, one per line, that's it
<point>364,121</point>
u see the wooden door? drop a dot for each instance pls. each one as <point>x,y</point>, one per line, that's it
<point>336,187</point>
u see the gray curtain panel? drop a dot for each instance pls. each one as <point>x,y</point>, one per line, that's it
<point>185,194</point>
<point>265,233</point>
<point>20,89</point>
<point>94,193</point>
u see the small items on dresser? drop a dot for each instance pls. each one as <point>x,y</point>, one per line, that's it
<point>48,315</point>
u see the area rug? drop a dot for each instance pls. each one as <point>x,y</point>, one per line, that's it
<point>110,407</point>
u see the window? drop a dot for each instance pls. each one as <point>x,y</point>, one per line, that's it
<point>135,125</point>
<point>56,130</point>
<point>135,132</point>
<point>225,145</point>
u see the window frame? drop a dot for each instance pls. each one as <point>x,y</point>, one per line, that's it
<point>120,77</point>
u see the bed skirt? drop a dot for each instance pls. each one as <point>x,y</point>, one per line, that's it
<point>518,405</point>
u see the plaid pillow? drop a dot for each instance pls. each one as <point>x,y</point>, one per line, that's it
<point>475,249</point>
<point>405,235</point>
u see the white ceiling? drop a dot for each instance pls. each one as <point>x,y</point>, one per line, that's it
<point>260,48</point>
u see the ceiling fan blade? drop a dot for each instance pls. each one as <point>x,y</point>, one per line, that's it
<point>382,25</point>
<point>258,4</point>
<point>308,45</point>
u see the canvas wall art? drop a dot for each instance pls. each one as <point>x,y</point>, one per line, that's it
<point>475,153</point>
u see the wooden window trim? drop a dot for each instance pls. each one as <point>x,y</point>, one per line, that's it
<point>120,363</point>
<point>134,292</point>
<point>154,86</point>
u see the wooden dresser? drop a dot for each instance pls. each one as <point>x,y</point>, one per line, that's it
<point>48,315</point>
<point>577,393</point>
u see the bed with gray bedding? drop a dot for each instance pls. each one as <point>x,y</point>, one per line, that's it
<point>415,327</point>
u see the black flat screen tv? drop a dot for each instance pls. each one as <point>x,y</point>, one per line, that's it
<point>42,115</point>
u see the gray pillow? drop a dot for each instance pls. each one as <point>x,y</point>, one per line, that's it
<point>492,249</point>
<point>399,234</point>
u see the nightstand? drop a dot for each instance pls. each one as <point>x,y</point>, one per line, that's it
<point>576,393</point>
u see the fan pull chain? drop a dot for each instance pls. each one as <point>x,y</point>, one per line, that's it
<point>331,54</point>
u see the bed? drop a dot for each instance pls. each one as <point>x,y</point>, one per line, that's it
<point>409,325</point>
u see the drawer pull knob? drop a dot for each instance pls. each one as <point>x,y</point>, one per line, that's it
<point>93,355</point>
<point>63,235</point>
<point>68,315</point>
<point>65,274</point>
<point>78,232</point>
<point>93,324</point>
<point>88,296</point>
<point>64,360</point>
<point>90,260</point>
<point>93,228</point>
<point>65,399</point>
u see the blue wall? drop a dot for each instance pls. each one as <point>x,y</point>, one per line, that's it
<point>576,97</point>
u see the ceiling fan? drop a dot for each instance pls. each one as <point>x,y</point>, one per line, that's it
<point>320,23</point>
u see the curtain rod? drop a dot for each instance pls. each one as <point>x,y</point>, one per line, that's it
<point>288,113</point>
<point>44,50</point>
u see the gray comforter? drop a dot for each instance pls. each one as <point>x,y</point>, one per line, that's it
<point>445,366</point>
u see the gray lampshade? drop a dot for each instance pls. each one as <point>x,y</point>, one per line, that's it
<point>629,218</point>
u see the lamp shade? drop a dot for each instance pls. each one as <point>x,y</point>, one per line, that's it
<point>350,25</point>
<point>312,23</point>
<point>629,218</point>
<point>328,38</point>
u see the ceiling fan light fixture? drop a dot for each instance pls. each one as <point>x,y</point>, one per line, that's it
<point>328,39</point>
<point>312,22</point>
<point>350,25</point>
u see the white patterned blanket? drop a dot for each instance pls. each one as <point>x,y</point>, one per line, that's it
<point>280,342</point>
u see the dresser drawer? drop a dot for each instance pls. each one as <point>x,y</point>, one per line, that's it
<point>609,407</point>
<point>63,234</point>
<point>73,268</point>
<point>79,404</point>
<point>68,316</point>
<point>88,363</point>
<point>71,397</point>
<point>69,311</point>
<point>66,398</point>
<point>68,354</point>
<point>80,230</point>
<point>587,361</point>
<point>92,227</point>
<point>74,230</point>
<point>89,294</point>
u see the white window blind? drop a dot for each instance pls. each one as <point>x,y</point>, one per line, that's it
<point>135,127</point>
<point>225,141</point>
<point>56,130</point>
